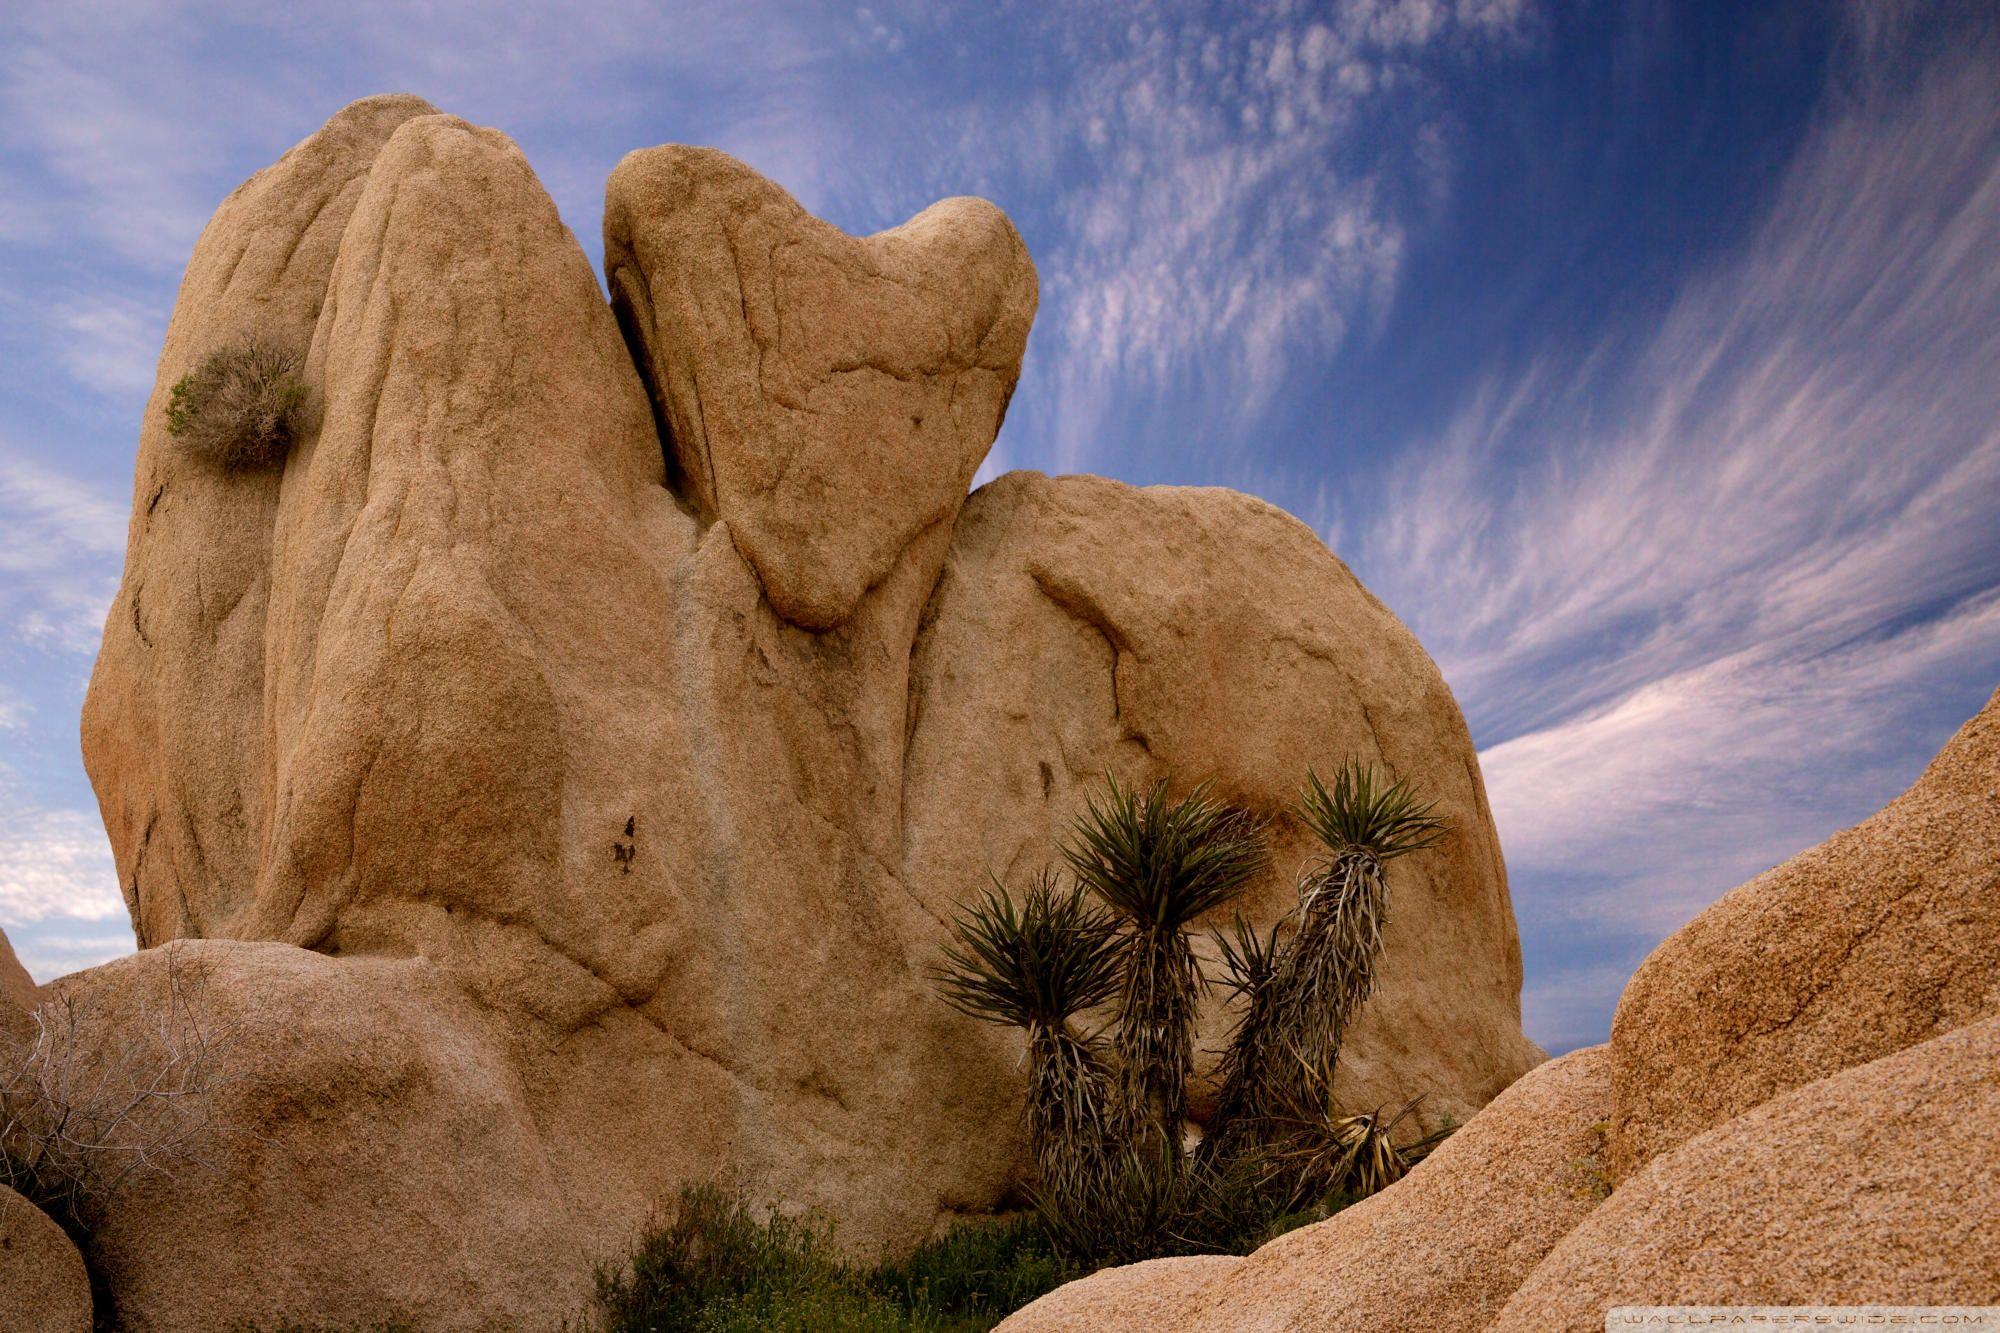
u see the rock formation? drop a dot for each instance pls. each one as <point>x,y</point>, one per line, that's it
<point>43,1285</point>
<point>1801,1100</point>
<point>1879,1185</point>
<point>578,744</point>
<point>17,988</point>
<point>1528,1168</point>
<point>1877,939</point>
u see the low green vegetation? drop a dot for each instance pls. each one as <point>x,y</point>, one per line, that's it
<point>713,1264</point>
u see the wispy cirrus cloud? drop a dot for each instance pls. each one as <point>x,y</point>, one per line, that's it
<point>1703,593</point>
<point>1240,208</point>
<point>60,541</point>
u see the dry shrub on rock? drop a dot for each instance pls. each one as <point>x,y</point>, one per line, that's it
<point>242,409</point>
<point>85,1105</point>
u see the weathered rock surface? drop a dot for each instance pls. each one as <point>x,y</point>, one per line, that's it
<point>1137,1298</point>
<point>1881,937</point>
<point>173,724</point>
<point>1056,650</point>
<point>829,396</point>
<point>1448,1245</point>
<point>655,764</point>
<point>43,1285</point>
<point>1879,1185</point>
<point>372,1158</point>
<point>17,988</point>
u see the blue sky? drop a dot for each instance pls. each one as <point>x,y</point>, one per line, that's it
<point>1644,358</point>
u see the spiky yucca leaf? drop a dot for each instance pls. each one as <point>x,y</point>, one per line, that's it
<point>1250,962</point>
<point>1361,814</point>
<point>1158,864</point>
<point>1036,964</point>
<point>1249,959</point>
<point>1328,971</point>
<point>1129,1208</point>
<point>1353,1155</point>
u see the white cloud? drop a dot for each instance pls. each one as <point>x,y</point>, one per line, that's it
<point>56,864</point>
<point>1708,593</point>
<point>60,546</point>
<point>1214,231</point>
<point>111,343</point>
<point>59,948</point>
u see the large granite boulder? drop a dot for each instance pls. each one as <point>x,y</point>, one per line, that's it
<point>1879,1185</point>
<point>43,1285</point>
<point>661,731</point>
<point>1879,938</point>
<point>336,1143</point>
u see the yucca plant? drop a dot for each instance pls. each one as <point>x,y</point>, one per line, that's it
<point>1158,864</point>
<point>1036,966</point>
<point>1328,969</point>
<point>1250,961</point>
<point>1350,1155</point>
<point>1131,1207</point>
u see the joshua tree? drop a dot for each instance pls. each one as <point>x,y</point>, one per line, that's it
<point>1327,970</point>
<point>1035,967</point>
<point>1159,864</point>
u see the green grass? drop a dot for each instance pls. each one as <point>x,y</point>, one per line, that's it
<point>714,1264</point>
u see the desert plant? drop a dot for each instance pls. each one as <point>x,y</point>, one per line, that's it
<point>711,1262</point>
<point>1160,863</point>
<point>1327,970</point>
<point>1037,966</point>
<point>1352,1156</point>
<point>242,408</point>
<point>974,1275</point>
<point>85,1104</point>
<point>1250,962</point>
<point>1130,1208</point>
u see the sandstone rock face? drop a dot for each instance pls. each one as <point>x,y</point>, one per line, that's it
<point>1448,1245</point>
<point>655,762</point>
<point>1876,1186</point>
<point>43,1285</point>
<point>1138,1298</point>
<point>1877,939</point>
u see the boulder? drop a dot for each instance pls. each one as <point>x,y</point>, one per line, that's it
<point>18,990</point>
<point>1445,1246</point>
<point>1056,650</point>
<point>43,1285</point>
<point>173,723</point>
<point>1877,939</point>
<point>333,1142</point>
<point>828,396</point>
<point>654,736</point>
<point>1137,1298</point>
<point>1879,1185</point>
